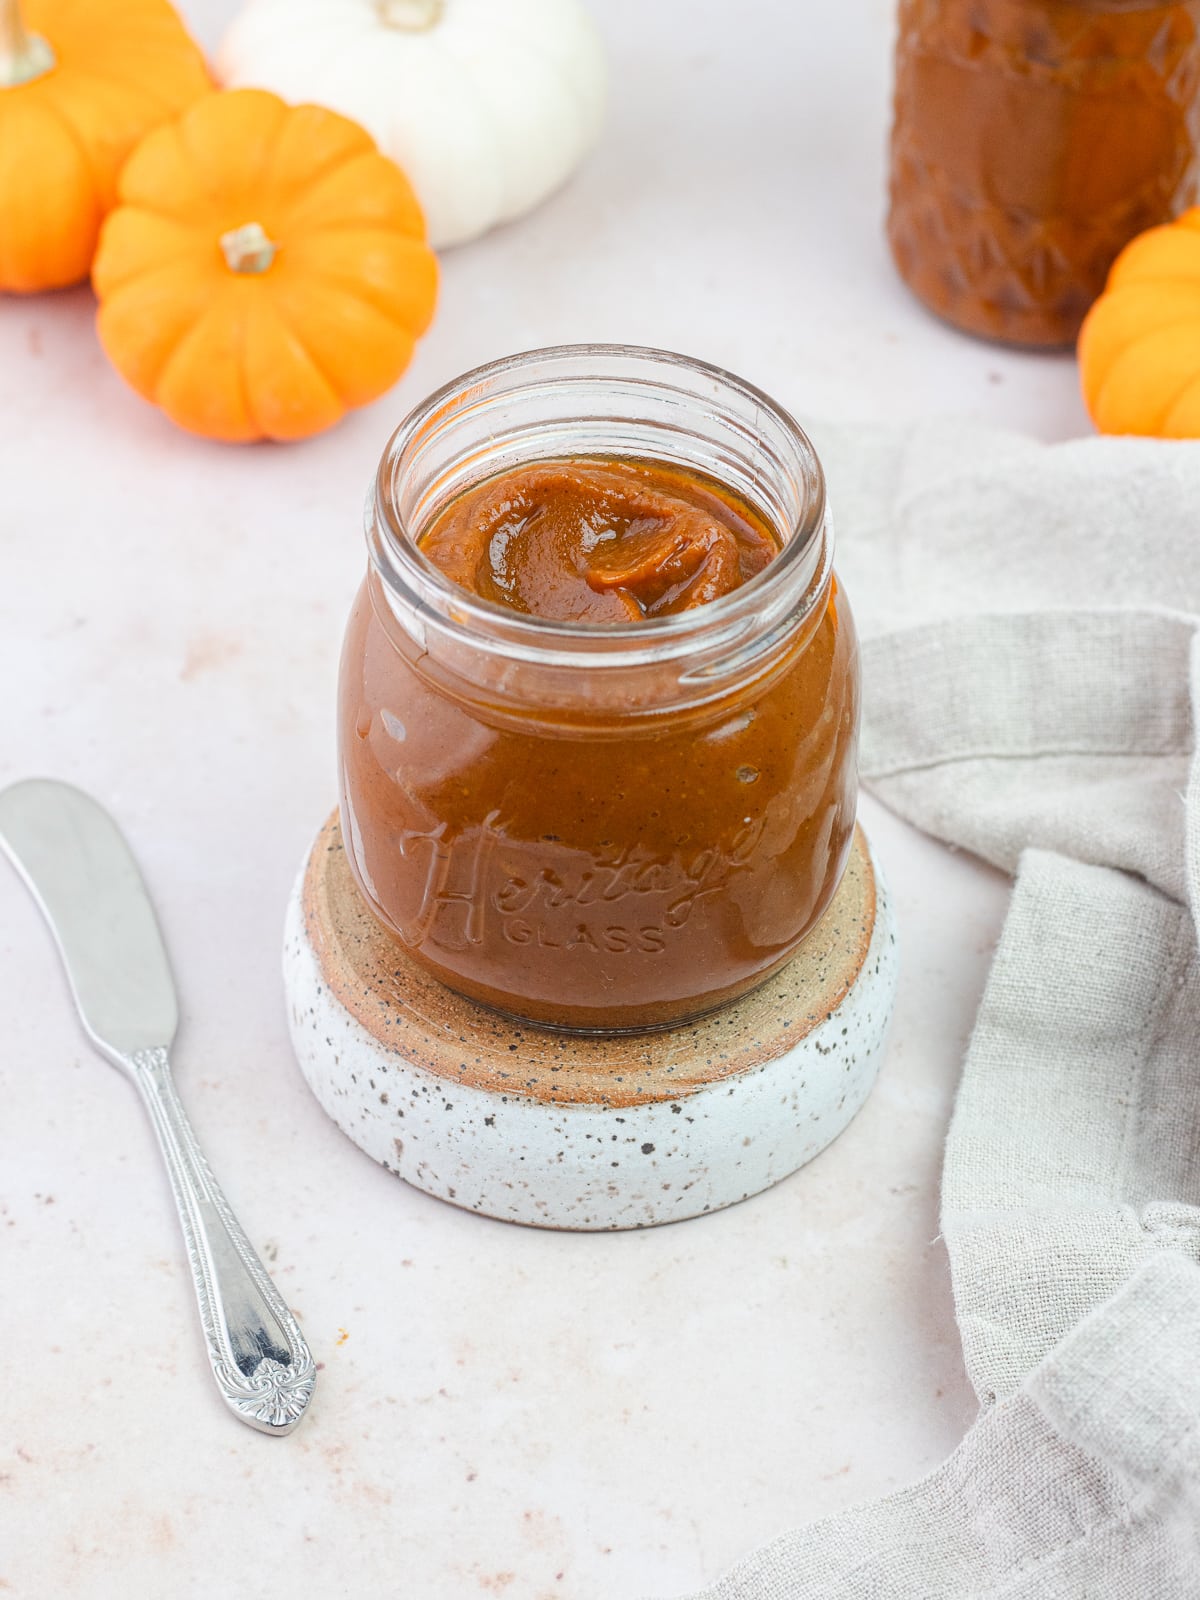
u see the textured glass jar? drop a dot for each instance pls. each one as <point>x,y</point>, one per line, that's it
<point>595,826</point>
<point>1032,139</point>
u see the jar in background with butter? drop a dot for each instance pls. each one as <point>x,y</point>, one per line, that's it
<point>1032,139</point>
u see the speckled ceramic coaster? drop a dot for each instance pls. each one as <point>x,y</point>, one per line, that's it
<point>568,1131</point>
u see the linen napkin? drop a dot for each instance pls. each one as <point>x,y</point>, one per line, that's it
<point>1031,618</point>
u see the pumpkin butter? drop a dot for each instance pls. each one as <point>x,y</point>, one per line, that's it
<point>612,785</point>
<point>599,541</point>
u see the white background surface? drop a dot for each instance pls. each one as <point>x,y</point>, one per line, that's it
<point>501,1412</point>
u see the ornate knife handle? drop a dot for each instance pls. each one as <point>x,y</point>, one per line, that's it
<point>262,1365</point>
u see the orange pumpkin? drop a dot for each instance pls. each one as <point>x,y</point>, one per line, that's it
<point>1139,348</point>
<point>266,269</point>
<point>80,83</point>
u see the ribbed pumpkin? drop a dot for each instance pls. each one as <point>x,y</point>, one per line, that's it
<point>265,270</point>
<point>1139,348</point>
<point>80,83</point>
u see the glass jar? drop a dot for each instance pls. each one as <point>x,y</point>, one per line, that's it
<point>1032,139</point>
<point>593,826</point>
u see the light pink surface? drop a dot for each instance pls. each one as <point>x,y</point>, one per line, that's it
<point>501,1412</point>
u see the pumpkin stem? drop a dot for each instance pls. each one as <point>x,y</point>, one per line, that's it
<point>24,56</point>
<point>247,249</point>
<point>414,16</point>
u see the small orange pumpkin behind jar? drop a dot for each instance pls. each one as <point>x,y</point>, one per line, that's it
<point>1139,348</point>
<point>265,270</point>
<point>79,86</point>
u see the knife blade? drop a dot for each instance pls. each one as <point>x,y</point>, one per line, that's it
<point>84,877</point>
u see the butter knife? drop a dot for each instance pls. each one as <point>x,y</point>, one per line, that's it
<point>84,877</point>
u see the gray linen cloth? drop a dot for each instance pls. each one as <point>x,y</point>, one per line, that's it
<point>1032,666</point>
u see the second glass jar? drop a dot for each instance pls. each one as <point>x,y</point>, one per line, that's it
<point>1032,139</point>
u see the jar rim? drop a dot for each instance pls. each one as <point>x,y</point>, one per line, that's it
<point>806,556</point>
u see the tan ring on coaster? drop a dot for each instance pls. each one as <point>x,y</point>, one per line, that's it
<point>584,1131</point>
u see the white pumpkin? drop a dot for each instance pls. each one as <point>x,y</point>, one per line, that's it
<point>486,104</point>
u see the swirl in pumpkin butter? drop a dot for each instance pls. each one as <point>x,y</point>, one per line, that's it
<point>596,848</point>
<point>599,541</point>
